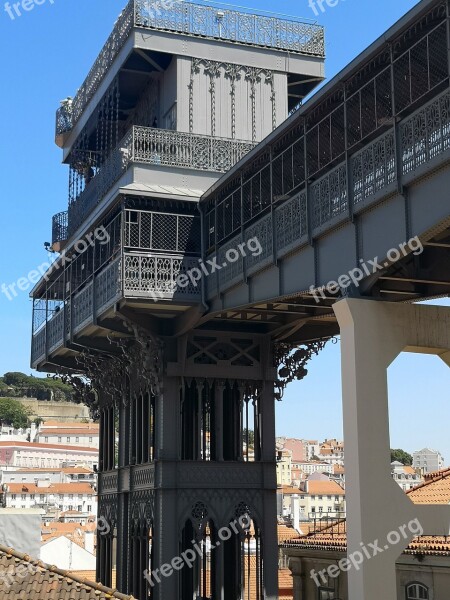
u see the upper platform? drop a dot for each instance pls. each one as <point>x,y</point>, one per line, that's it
<point>186,28</point>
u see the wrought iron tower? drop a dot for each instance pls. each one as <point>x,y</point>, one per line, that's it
<point>177,96</point>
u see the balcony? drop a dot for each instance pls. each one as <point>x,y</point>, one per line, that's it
<point>161,148</point>
<point>186,18</point>
<point>131,275</point>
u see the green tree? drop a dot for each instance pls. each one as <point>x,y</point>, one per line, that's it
<point>401,456</point>
<point>13,413</point>
<point>251,437</point>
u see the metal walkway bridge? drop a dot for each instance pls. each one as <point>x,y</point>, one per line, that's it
<point>340,192</point>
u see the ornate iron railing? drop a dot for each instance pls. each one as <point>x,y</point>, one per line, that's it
<point>187,150</point>
<point>38,346</point>
<point>160,147</point>
<point>60,223</point>
<point>159,277</point>
<point>197,20</point>
<point>55,331</point>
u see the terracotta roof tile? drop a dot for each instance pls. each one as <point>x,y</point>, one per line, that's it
<point>47,446</point>
<point>319,488</point>
<point>24,578</point>
<point>435,489</point>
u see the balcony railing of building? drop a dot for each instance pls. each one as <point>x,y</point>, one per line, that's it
<point>158,249</point>
<point>159,147</point>
<point>59,228</point>
<point>187,18</point>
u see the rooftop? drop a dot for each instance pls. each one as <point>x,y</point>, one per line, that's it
<point>435,489</point>
<point>30,579</point>
<point>37,446</point>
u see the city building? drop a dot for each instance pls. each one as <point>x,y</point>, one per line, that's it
<point>406,477</point>
<point>85,434</point>
<point>423,569</point>
<point>63,496</point>
<point>284,467</point>
<point>332,452</point>
<point>61,475</point>
<point>46,456</point>
<point>315,466</point>
<point>428,460</point>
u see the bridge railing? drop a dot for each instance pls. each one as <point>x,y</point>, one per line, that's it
<point>373,172</point>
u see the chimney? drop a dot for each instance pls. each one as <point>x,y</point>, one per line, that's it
<point>295,507</point>
<point>89,541</point>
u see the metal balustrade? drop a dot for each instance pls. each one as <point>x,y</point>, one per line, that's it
<point>108,286</point>
<point>55,331</point>
<point>159,277</point>
<point>60,227</point>
<point>187,18</point>
<point>38,346</point>
<point>159,147</point>
<point>83,308</point>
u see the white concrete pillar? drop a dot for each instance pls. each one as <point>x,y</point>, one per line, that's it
<point>373,334</point>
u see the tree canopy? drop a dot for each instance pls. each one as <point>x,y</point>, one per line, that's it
<point>19,385</point>
<point>401,456</point>
<point>13,413</point>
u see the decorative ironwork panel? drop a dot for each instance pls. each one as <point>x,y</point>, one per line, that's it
<point>110,50</point>
<point>60,227</point>
<point>160,277</point>
<point>142,510</point>
<point>210,475</point>
<point>55,331</point>
<point>38,346</point>
<point>426,134</point>
<point>186,150</point>
<point>229,270</point>
<point>329,196</point>
<point>107,510</point>
<point>83,307</point>
<point>109,482</point>
<point>143,476</point>
<point>291,222</point>
<point>232,25</point>
<point>108,286</point>
<point>64,117</point>
<point>262,233</point>
<point>373,168</point>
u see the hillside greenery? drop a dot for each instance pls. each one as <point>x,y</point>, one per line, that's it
<point>19,385</point>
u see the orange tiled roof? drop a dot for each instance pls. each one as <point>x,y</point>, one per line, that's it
<point>32,579</point>
<point>324,488</point>
<point>334,537</point>
<point>78,432</point>
<point>55,488</point>
<point>51,470</point>
<point>435,489</point>
<point>286,533</point>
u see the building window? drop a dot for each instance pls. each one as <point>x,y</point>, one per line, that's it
<point>31,496</point>
<point>326,594</point>
<point>77,439</point>
<point>13,496</point>
<point>90,439</point>
<point>89,508</point>
<point>46,440</point>
<point>80,508</point>
<point>59,439</point>
<point>68,439</point>
<point>23,497</point>
<point>70,496</point>
<point>41,498</point>
<point>416,591</point>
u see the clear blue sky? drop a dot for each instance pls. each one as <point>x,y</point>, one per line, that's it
<point>45,56</point>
